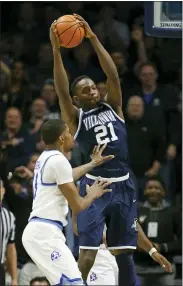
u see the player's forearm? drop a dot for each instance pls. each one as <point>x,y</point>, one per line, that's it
<point>83,203</point>
<point>105,59</point>
<point>143,242</point>
<point>80,171</point>
<point>12,261</point>
<point>60,76</point>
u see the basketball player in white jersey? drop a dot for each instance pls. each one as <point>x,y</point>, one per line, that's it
<point>54,189</point>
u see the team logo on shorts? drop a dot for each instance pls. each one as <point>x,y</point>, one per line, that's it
<point>135,224</point>
<point>93,277</point>
<point>55,255</point>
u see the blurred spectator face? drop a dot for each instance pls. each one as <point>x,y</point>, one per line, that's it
<point>32,162</point>
<point>16,186</point>
<point>27,11</point>
<point>38,108</point>
<point>149,43</point>
<point>13,119</point>
<point>154,192</point>
<point>17,44</point>
<point>135,107</point>
<point>48,93</point>
<point>101,86</point>
<point>120,61</point>
<point>82,54</point>
<point>51,13</point>
<point>75,6</point>
<point>18,71</point>
<point>45,53</point>
<point>107,13</point>
<point>148,76</point>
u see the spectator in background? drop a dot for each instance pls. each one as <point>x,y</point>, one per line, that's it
<point>161,104</point>
<point>19,94</point>
<point>162,225</point>
<point>39,281</point>
<point>18,143</point>
<point>38,115</point>
<point>48,93</point>
<point>17,46</point>
<point>8,249</point>
<point>126,75</point>
<point>29,274</point>
<point>145,142</point>
<point>84,64</point>
<point>102,88</point>
<point>113,32</point>
<point>44,68</point>
<point>26,22</point>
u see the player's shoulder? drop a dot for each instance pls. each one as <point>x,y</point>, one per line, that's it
<point>58,159</point>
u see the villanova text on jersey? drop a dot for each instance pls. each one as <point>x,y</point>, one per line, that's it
<point>99,126</point>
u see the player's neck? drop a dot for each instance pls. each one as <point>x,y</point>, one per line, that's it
<point>53,147</point>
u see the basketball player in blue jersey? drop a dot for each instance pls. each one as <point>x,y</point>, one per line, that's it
<point>98,123</point>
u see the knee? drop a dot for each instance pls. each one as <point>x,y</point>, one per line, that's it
<point>87,259</point>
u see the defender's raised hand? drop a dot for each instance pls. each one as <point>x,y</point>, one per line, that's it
<point>98,188</point>
<point>88,31</point>
<point>97,158</point>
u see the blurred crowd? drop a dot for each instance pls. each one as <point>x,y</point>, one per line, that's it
<point>151,79</point>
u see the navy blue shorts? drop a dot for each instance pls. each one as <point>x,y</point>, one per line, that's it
<point>117,210</point>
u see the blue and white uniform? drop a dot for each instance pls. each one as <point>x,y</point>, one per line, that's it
<point>43,238</point>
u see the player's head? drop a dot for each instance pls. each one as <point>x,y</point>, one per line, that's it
<point>155,190</point>
<point>56,135</point>
<point>85,93</point>
<point>39,281</point>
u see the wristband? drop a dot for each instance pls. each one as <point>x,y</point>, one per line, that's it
<point>152,251</point>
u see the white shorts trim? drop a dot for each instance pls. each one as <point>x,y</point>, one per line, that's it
<point>111,180</point>
<point>122,247</point>
<point>89,247</point>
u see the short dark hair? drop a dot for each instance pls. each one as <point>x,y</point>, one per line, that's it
<point>39,279</point>
<point>75,82</point>
<point>147,64</point>
<point>158,179</point>
<point>51,130</point>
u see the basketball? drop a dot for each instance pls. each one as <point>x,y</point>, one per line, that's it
<point>70,32</point>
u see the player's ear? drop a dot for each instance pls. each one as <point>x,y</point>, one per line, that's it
<point>61,138</point>
<point>75,100</point>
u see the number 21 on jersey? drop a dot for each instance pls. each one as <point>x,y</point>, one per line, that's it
<point>105,133</point>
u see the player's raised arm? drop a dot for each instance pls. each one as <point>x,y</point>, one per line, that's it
<point>69,111</point>
<point>114,97</point>
<point>145,244</point>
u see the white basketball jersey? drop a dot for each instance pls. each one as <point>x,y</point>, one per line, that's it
<point>52,169</point>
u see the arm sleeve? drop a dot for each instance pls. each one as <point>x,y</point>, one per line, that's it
<point>62,171</point>
<point>12,232</point>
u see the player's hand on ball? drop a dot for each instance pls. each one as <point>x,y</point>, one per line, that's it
<point>98,188</point>
<point>162,261</point>
<point>88,31</point>
<point>97,158</point>
<point>53,36</point>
